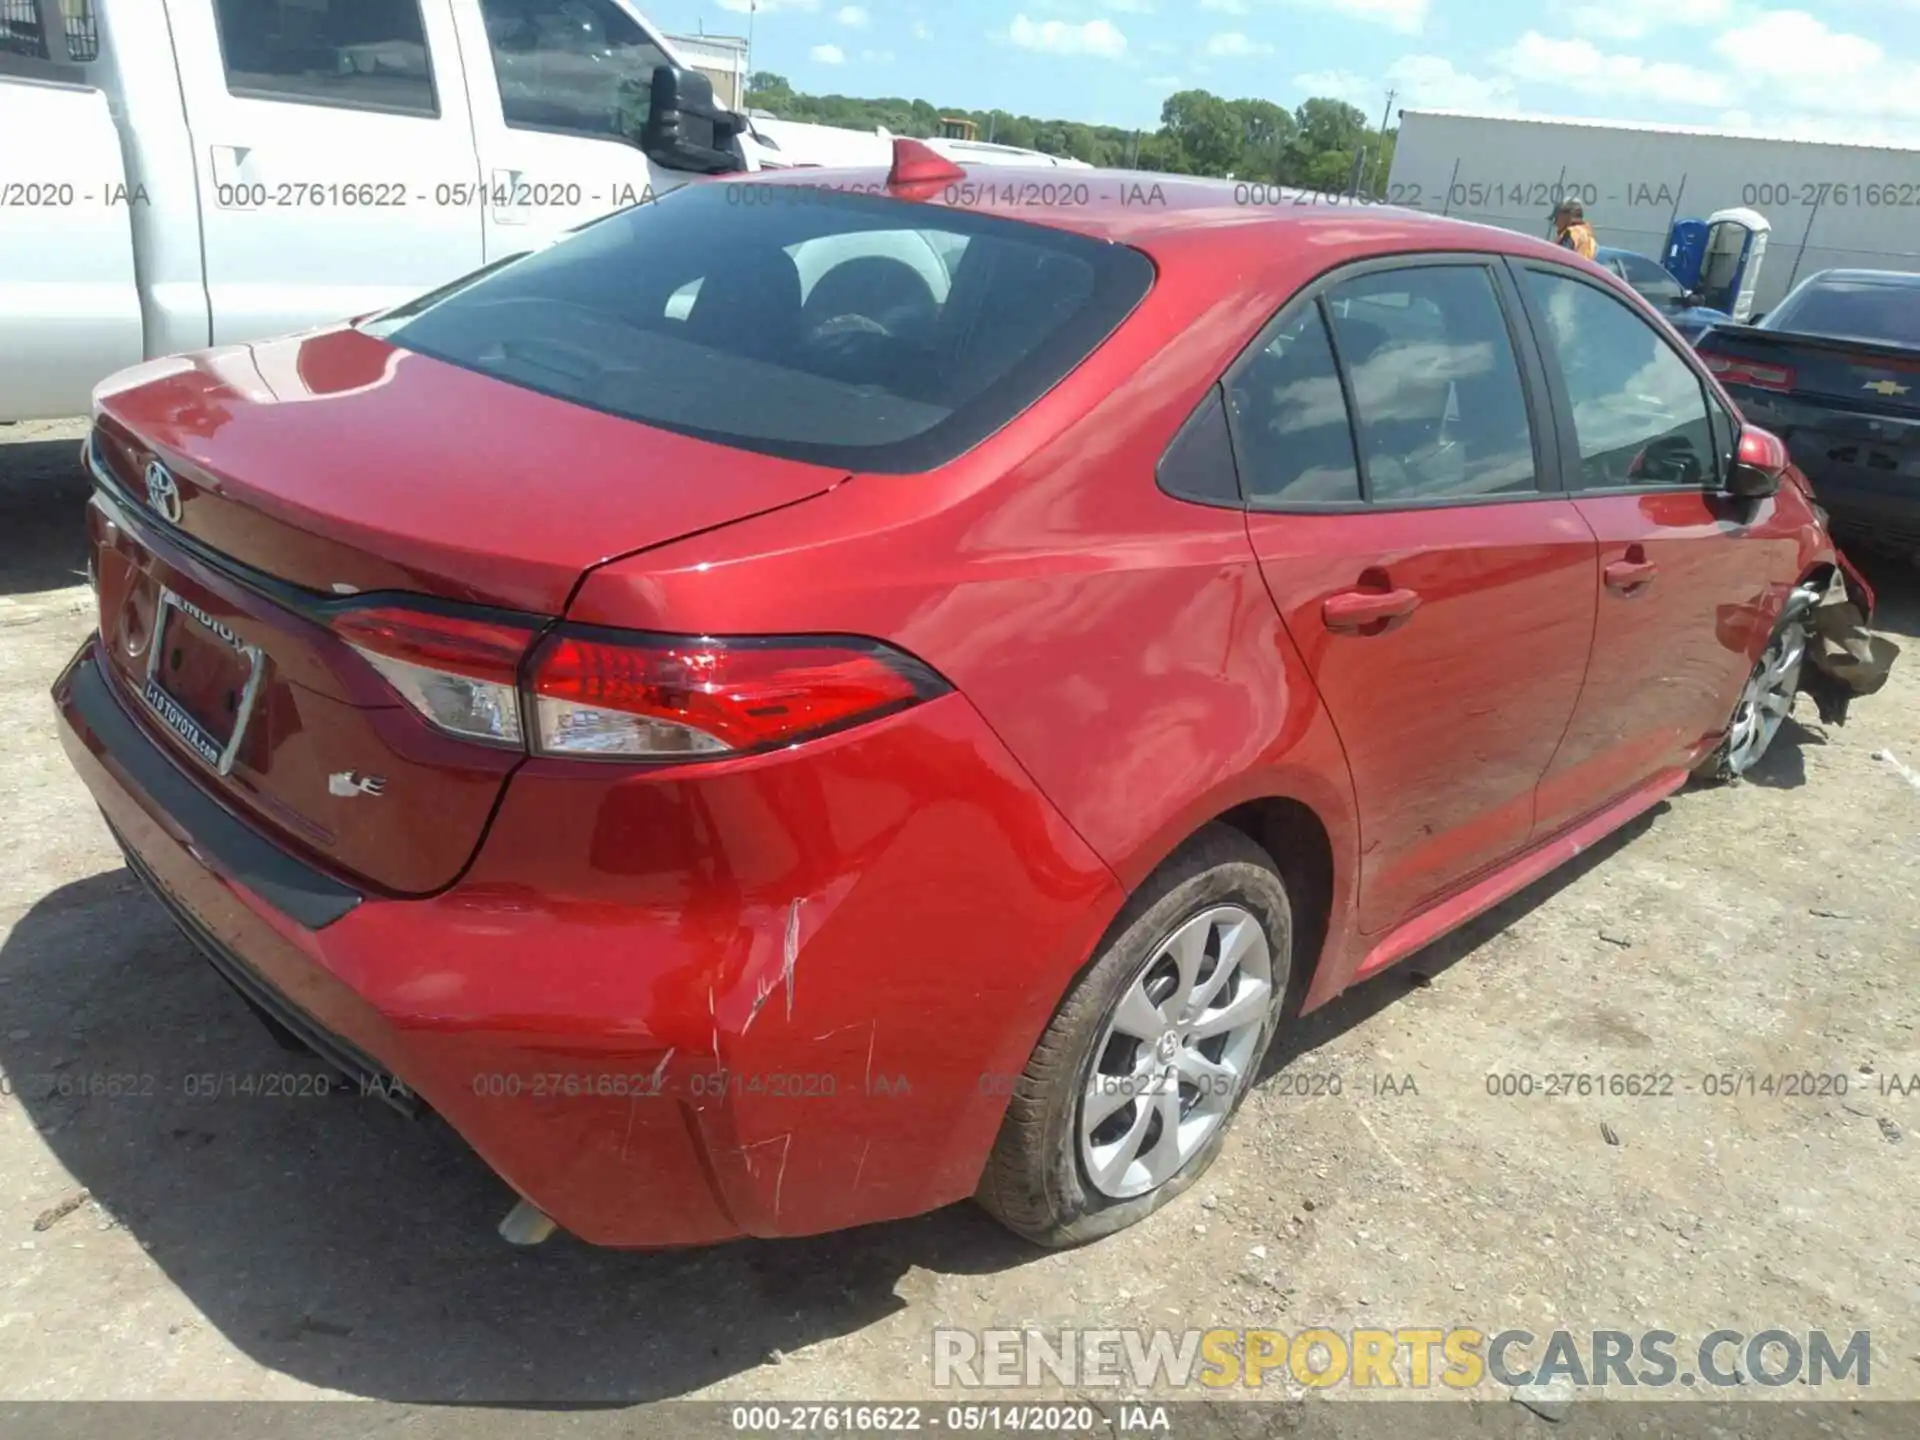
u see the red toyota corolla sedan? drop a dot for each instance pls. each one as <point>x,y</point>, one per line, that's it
<point>824,696</point>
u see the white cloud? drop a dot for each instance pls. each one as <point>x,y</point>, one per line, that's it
<point>852,16</point>
<point>1581,67</point>
<point>920,30</point>
<point>1164,82</point>
<point>1812,75</point>
<point>1333,85</point>
<point>1791,44</point>
<point>1636,19</point>
<point>1231,43</point>
<point>1058,37</point>
<point>1816,83</point>
<point>828,55</point>
<point>1407,16</point>
<point>769,7</point>
<point>1430,82</point>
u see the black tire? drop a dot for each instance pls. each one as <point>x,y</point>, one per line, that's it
<point>1725,765</point>
<point>1035,1182</point>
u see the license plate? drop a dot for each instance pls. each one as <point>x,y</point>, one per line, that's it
<point>199,674</point>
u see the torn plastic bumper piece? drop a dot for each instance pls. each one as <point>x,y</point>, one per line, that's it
<point>1845,658</point>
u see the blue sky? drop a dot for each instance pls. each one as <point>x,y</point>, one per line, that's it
<point>1849,71</point>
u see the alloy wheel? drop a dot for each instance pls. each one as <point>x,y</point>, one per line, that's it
<point>1767,700</point>
<point>1176,1052</point>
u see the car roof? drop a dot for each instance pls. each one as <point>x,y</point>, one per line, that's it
<point>1171,217</point>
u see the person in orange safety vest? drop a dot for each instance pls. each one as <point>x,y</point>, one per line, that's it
<point>1570,228</point>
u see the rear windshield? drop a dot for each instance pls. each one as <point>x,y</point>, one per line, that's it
<point>1852,310</point>
<point>843,329</point>
<point>1648,278</point>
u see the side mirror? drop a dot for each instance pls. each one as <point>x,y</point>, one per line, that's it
<point>1760,462</point>
<point>687,129</point>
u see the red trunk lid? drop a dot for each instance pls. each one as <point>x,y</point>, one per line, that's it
<point>321,466</point>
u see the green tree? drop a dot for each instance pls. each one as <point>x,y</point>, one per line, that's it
<point>1330,125</point>
<point>1200,133</point>
<point>1266,130</point>
<point>1205,129</point>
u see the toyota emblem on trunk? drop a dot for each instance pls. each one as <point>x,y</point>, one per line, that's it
<point>163,494</point>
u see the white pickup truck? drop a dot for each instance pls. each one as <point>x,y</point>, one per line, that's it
<point>180,173</point>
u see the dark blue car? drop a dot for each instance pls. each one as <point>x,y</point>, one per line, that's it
<point>1665,293</point>
<point>1835,372</point>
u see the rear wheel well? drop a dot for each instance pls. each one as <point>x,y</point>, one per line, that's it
<point>1302,852</point>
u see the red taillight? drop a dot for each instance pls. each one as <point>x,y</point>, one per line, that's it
<point>1750,372</point>
<point>663,697</point>
<point>460,672</point>
<point>482,649</point>
<point>624,695</point>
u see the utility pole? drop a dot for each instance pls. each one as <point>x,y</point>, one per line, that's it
<point>1359,153</point>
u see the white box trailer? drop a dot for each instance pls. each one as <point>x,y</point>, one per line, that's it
<point>1830,205</point>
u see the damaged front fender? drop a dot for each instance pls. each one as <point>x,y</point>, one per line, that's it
<point>1845,658</point>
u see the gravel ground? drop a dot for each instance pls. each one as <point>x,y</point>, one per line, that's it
<point>162,1246</point>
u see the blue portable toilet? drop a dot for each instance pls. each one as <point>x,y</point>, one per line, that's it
<point>1719,258</point>
<point>1686,253</point>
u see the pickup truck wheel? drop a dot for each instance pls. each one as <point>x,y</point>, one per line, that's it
<point>1765,702</point>
<point>1128,1095</point>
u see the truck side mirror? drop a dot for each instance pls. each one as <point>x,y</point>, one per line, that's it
<point>687,129</point>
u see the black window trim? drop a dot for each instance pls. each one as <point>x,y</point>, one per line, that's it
<point>1563,400</point>
<point>1547,467</point>
<point>366,107</point>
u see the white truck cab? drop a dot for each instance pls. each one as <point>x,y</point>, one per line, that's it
<point>183,173</point>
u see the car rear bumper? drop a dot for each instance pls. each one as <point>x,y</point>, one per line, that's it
<point>1864,469</point>
<point>779,997</point>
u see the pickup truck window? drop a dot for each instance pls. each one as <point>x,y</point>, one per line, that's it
<point>578,67</point>
<point>20,29</point>
<point>83,30</point>
<point>883,363</point>
<point>354,54</point>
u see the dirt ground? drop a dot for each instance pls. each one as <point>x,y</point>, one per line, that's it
<point>160,1246</point>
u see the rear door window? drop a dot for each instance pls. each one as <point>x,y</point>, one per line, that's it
<point>356,54</point>
<point>1437,396</point>
<point>1639,410</point>
<point>1290,423</point>
<point>838,328</point>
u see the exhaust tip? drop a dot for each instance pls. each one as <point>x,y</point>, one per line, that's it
<point>526,1224</point>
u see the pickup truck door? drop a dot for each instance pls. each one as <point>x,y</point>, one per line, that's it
<point>69,308</point>
<point>559,91</point>
<point>333,148</point>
